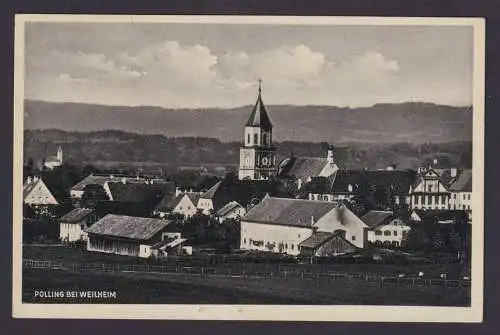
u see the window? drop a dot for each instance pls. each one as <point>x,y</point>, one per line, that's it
<point>292,246</point>
<point>264,139</point>
<point>248,138</point>
<point>378,232</point>
<point>443,199</point>
<point>417,199</point>
<point>464,196</point>
<point>404,234</point>
<point>286,246</point>
<point>429,188</point>
<point>353,237</point>
<point>429,199</point>
<point>189,207</point>
<point>387,233</point>
<point>395,233</point>
<point>244,241</point>
<point>255,139</point>
<point>299,235</point>
<point>468,196</point>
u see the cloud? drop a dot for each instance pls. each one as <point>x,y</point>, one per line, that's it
<point>174,75</point>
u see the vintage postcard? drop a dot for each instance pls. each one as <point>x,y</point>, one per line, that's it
<point>249,168</point>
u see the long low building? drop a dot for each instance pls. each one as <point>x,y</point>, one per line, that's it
<point>127,235</point>
<point>282,225</point>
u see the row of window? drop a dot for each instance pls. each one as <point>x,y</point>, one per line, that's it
<point>265,139</point>
<point>285,245</point>
<point>388,233</point>
<point>429,198</point>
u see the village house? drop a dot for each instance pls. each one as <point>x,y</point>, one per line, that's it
<point>431,188</point>
<point>232,210</point>
<point>301,170</point>
<point>385,229</point>
<point>461,191</point>
<point>280,224</point>
<point>127,235</point>
<point>73,224</point>
<point>184,204</point>
<point>36,193</point>
<point>325,244</point>
<point>346,184</point>
<point>215,198</point>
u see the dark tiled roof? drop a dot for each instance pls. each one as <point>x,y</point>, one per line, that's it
<point>136,192</point>
<point>302,167</point>
<point>318,185</point>
<point>135,228</point>
<point>375,218</point>
<point>293,212</point>
<point>168,202</point>
<point>194,197</point>
<point>259,117</point>
<point>398,180</point>
<point>230,206</point>
<point>316,239</point>
<point>212,191</point>
<point>463,183</point>
<point>76,215</point>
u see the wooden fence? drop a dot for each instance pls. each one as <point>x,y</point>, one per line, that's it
<point>202,271</point>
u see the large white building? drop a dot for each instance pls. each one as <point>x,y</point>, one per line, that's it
<point>257,155</point>
<point>73,224</point>
<point>461,192</point>
<point>280,225</point>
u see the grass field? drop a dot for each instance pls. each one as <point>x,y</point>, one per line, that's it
<point>453,270</point>
<point>178,288</point>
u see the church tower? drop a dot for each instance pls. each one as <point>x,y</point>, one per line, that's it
<point>257,155</point>
<point>60,154</point>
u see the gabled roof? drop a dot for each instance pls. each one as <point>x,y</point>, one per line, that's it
<point>168,202</point>
<point>136,228</point>
<point>397,180</point>
<point>136,192</point>
<point>31,184</point>
<point>212,191</point>
<point>316,239</point>
<point>227,208</point>
<point>376,218</point>
<point>76,215</point>
<point>293,212</point>
<point>259,117</point>
<point>302,167</point>
<point>463,183</point>
<point>194,197</point>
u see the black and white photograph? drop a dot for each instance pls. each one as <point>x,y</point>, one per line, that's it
<point>263,168</point>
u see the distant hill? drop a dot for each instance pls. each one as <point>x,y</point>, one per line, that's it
<point>112,148</point>
<point>382,123</point>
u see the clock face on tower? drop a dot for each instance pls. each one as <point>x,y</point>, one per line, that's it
<point>266,160</point>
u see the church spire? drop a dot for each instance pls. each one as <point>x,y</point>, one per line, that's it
<point>259,117</point>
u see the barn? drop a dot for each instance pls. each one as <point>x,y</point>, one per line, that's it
<point>127,235</point>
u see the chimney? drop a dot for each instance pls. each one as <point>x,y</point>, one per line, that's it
<point>29,180</point>
<point>349,188</point>
<point>435,162</point>
<point>453,172</point>
<point>329,156</point>
<point>177,191</point>
<point>35,178</point>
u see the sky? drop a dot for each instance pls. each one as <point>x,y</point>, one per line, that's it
<point>179,65</point>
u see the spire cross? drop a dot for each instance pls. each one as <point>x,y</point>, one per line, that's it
<point>260,84</point>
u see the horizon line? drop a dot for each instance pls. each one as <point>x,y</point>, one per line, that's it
<point>470,105</point>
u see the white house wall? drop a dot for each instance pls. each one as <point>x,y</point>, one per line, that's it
<point>343,219</point>
<point>185,207</point>
<point>289,236</point>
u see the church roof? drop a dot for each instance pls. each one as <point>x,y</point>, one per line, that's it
<point>259,117</point>
<point>302,167</point>
<point>463,183</point>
